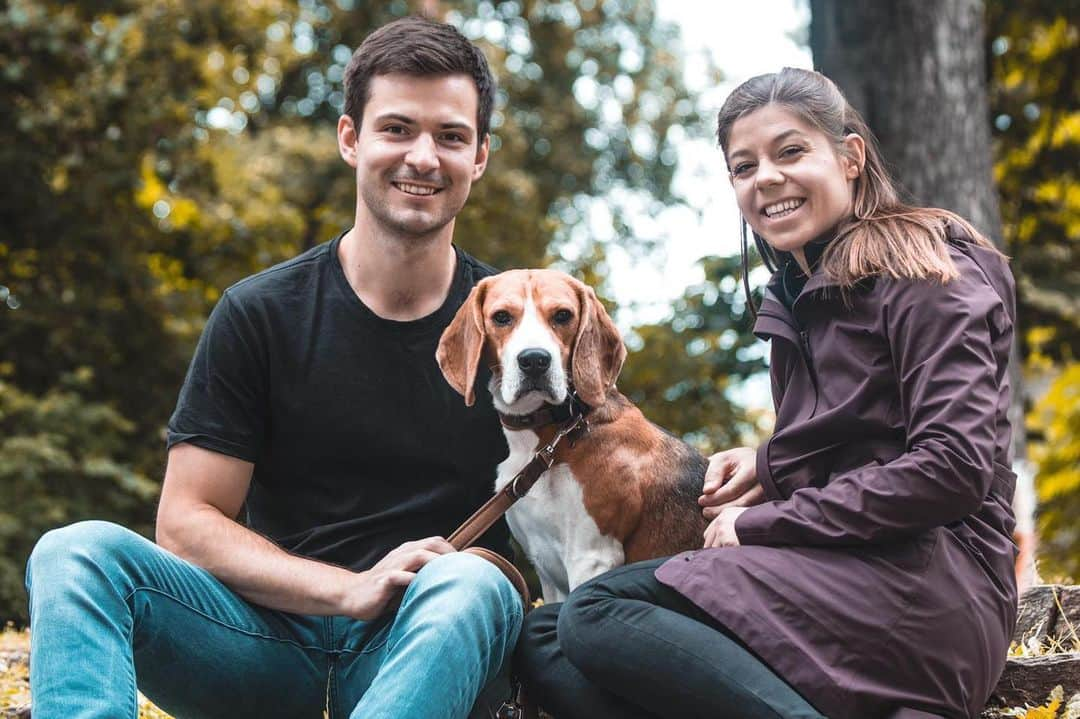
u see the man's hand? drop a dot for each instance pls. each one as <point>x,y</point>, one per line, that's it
<point>368,594</point>
<point>721,531</point>
<point>730,481</point>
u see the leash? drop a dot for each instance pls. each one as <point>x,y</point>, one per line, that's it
<point>515,489</point>
<point>518,706</point>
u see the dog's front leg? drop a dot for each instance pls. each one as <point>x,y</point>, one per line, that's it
<point>587,565</point>
<point>551,590</point>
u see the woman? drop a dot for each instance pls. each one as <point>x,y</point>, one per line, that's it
<point>860,562</point>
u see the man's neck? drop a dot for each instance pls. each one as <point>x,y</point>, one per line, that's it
<point>400,279</point>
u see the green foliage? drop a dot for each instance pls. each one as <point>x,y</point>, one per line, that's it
<point>1035,48</point>
<point>684,370</point>
<point>161,151</point>
<point>1056,420</point>
<point>157,152</point>
<point>61,460</point>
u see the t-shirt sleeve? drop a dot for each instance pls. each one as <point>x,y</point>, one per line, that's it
<point>222,404</point>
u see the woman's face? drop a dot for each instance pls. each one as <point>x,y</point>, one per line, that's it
<point>790,182</point>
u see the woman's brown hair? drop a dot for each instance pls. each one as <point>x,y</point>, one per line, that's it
<point>884,235</point>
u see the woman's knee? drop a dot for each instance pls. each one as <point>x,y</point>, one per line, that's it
<point>538,646</point>
<point>584,624</point>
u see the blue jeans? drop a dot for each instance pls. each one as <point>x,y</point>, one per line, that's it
<point>107,606</point>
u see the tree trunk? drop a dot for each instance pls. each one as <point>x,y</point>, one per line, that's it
<point>917,71</point>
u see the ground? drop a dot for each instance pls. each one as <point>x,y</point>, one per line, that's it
<point>15,678</point>
<point>15,688</point>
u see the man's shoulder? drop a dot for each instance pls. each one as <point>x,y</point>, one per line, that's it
<point>283,279</point>
<point>474,268</point>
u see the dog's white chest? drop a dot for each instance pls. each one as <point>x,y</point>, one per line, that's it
<point>551,524</point>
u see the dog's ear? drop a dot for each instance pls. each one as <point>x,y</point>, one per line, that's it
<point>598,353</point>
<point>462,343</point>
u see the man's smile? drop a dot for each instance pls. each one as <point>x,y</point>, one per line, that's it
<point>410,188</point>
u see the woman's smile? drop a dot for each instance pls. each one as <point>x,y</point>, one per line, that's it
<point>783,209</point>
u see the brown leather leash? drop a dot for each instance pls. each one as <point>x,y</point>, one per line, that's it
<point>515,489</point>
<point>518,706</point>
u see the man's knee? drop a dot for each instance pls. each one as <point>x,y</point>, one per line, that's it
<point>475,579</point>
<point>69,554</point>
<point>464,585</point>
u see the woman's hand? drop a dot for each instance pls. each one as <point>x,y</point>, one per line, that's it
<point>731,481</point>
<point>721,531</point>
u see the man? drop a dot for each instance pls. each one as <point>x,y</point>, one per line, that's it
<point>314,413</point>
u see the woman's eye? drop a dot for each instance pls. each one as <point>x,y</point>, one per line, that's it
<point>502,318</point>
<point>791,151</point>
<point>741,169</point>
<point>562,317</point>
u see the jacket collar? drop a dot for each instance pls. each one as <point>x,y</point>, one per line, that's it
<point>776,319</point>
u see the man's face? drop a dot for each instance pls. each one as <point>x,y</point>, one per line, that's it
<point>416,152</point>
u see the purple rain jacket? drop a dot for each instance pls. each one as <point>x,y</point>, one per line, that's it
<point>878,577</point>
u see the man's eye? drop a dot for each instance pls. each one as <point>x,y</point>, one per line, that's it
<point>502,318</point>
<point>562,317</point>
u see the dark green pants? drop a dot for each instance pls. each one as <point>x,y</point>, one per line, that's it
<point>624,645</point>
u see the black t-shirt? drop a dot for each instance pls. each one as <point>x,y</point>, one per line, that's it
<point>358,442</point>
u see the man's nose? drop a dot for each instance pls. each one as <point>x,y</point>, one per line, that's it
<point>423,155</point>
<point>534,362</point>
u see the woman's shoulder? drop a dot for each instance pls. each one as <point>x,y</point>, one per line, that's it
<point>983,276</point>
<point>919,309</point>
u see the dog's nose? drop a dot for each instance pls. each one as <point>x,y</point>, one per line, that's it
<point>534,362</point>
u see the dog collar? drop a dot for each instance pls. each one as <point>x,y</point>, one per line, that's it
<point>546,415</point>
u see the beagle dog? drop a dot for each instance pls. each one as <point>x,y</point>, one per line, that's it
<point>622,489</point>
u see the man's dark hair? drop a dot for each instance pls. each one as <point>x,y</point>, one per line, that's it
<point>421,48</point>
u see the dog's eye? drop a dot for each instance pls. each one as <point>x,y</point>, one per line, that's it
<point>502,318</point>
<point>562,317</point>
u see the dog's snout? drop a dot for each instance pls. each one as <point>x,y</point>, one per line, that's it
<point>534,362</point>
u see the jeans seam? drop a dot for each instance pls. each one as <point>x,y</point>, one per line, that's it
<point>683,650</point>
<point>221,623</point>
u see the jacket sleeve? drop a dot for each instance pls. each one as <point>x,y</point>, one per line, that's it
<point>951,388</point>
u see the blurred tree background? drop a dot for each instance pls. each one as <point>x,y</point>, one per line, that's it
<point>1035,65</point>
<point>156,151</point>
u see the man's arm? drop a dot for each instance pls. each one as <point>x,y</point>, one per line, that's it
<point>203,493</point>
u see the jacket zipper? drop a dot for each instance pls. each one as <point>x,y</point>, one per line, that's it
<point>807,354</point>
<point>803,345</point>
